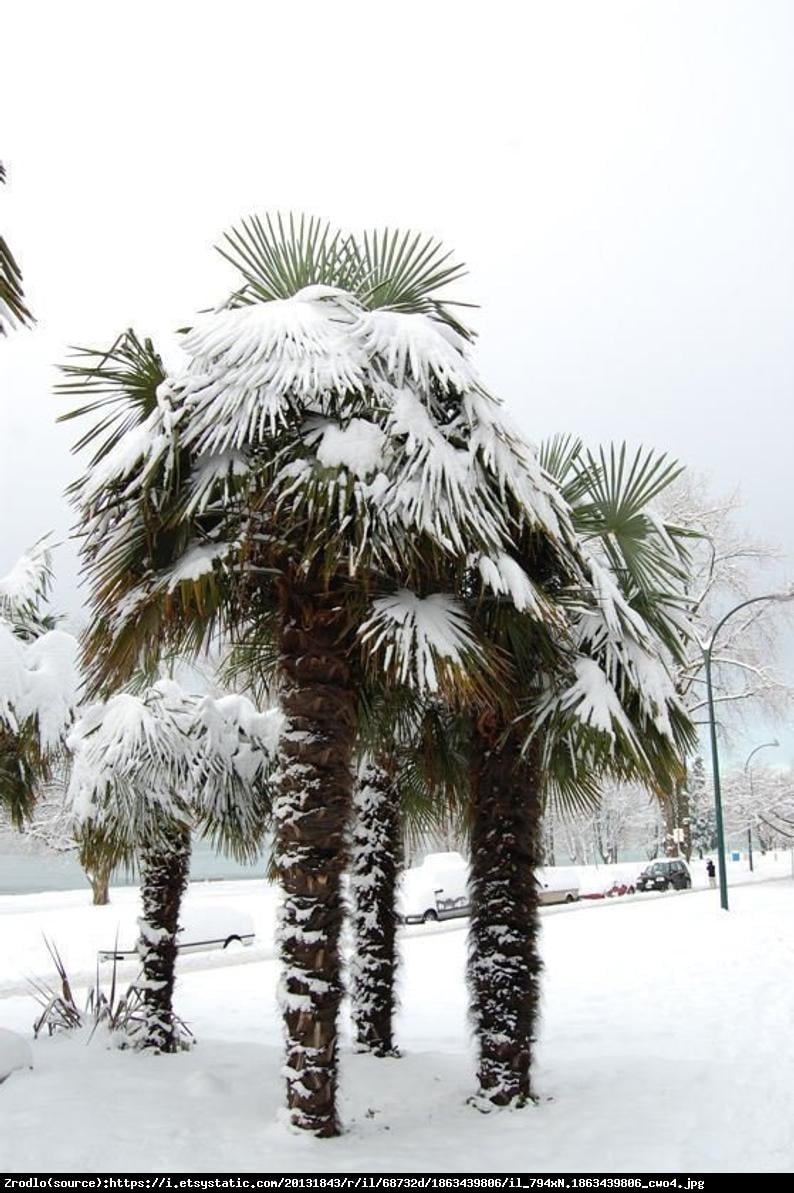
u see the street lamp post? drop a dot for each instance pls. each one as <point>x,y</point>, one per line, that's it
<point>707,650</point>
<point>749,775</point>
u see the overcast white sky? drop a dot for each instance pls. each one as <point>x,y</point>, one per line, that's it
<point>619,177</point>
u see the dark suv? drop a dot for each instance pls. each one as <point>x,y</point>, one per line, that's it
<point>660,876</point>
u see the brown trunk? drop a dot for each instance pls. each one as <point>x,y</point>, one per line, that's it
<point>99,877</point>
<point>670,823</point>
<point>164,876</point>
<point>504,965</point>
<point>684,804</point>
<point>312,813</point>
<point>375,857</point>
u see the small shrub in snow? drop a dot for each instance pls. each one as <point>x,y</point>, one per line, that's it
<point>122,1014</point>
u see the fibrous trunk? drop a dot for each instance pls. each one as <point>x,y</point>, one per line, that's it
<point>504,965</point>
<point>164,876</point>
<point>312,813</point>
<point>375,862</point>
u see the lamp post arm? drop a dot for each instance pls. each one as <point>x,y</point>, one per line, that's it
<point>707,648</point>
<point>770,596</point>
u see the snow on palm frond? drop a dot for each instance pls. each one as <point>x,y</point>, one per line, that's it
<point>134,456</point>
<point>39,680</point>
<point>357,447</point>
<point>388,385</point>
<point>235,749</point>
<point>633,659</point>
<point>197,561</point>
<point>145,761</point>
<point>594,701</point>
<point>252,366</point>
<point>512,462</point>
<point>25,587</point>
<point>610,616</point>
<point>504,576</point>
<point>414,349</point>
<point>421,642</point>
<point>131,759</point>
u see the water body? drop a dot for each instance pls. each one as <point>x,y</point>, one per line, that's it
<point>26,869</point>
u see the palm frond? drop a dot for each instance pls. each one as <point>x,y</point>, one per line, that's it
<point>13,308</point>
<point>121,382</point>
<point>404,271</point>
<point>279,257</point>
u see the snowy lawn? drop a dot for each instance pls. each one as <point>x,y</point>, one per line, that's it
<point>666,1045</point>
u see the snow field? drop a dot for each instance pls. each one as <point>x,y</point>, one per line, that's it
<point>666,1045</point>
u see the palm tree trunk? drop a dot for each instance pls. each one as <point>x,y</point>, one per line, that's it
<point>504,966</point>
<point>312,813</point>
<point>375,860</point>
<point>164,875</point>
<point>99,879</point>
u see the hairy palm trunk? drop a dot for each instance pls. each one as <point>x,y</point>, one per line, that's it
<point>312,813</point>
<point>504,965</point>
<point>164,875</point>
<point>375,860</point>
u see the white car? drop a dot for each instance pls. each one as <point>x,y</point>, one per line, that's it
<point>436,890</point>
<point>202,926</point>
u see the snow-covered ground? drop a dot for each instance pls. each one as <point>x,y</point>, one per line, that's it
<point>666,1045</point>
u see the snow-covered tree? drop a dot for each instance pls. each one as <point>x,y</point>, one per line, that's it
<point>725,565</point>
<point>38,682</point>
<point>761,802</point>
<point>588,696</point>
<point>316,476</point>
<point>147,769</point>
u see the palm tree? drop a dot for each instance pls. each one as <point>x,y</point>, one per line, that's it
<point>314,476</point>
<point>608,707</point>
<point>147,769</point>
<point>13,309</point>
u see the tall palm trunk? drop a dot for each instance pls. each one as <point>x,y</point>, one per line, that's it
<point>312,813</point>
<point>504,965</point>
<point>164,875</point>
<point>375,861</point>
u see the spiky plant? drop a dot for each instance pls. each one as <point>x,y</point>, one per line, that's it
<point>316,474</point>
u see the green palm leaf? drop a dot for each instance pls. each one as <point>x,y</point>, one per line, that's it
<point>13,308</point>
<point>121,382</point>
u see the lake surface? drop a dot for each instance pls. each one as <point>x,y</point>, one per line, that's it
<point>24,869</point>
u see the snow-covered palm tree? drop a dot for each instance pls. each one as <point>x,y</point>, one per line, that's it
<point>148,768</point>
<point>317,473</point>
<point>605,704</point>
<point>13,308</point>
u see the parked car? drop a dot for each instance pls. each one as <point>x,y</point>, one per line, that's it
<point>666,873</point>
<point>557,885</point>
<point>203,926</point>
<point>435,890</point>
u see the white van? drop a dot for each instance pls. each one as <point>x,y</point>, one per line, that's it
<point>435,890</point>
<point>557,885</point>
